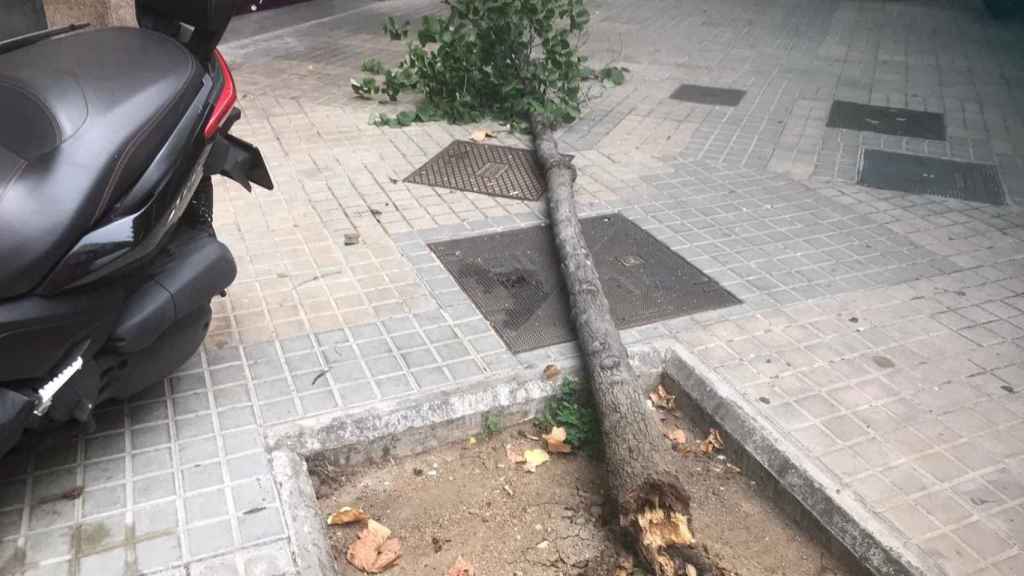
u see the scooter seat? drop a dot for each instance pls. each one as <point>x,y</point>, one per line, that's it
<point>81,117</point>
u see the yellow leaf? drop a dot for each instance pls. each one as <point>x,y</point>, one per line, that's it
<point>481,135</point>
<point>555,441</point>
<point>347,515</point>
<point>472,441</point>
<point>533,458</point>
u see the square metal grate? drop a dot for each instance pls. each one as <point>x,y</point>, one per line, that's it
<point>885,120</point>
<point>514,279</point>
<point>708,95</point>
<point>483,168</point>
<point>935,176</point>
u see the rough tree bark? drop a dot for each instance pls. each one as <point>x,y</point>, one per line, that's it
<point>653,507</point>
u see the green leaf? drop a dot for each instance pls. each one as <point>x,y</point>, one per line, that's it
<point>372,66</point>
<point>405,118</point>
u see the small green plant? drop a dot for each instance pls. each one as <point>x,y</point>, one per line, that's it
<point>500,59</point>
<point>491,425</point>
<point>373,66</point>
<point>572,408</point>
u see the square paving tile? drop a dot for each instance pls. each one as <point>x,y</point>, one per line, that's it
<point>483,168</point>
<point>513,278</point>
<point>935,176</point>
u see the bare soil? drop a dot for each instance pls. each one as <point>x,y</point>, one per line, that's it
<point>468,499</point>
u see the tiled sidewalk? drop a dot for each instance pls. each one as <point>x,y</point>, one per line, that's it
<point>880,332</point>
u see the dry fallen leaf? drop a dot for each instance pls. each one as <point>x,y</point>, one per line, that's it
<point>552,372</point>
<point>481,135</point>
<point>347,515</point>
<point>712,442</point>
<point>677,436</point>
<point>662,399</point>
<point>513,456</point>
<point>374,551</point>
<point>555,441</point>
<point>534,457</point>
<point>691,570</point>
<point>461,568</point>
<point>624,567</point>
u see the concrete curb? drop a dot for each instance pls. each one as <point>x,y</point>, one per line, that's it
<point>408,426</point>
<point>309,547</point>
<point>869,539</point>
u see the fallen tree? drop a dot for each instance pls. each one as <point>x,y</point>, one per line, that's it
<point>518,62</point>
<point>652,506</point>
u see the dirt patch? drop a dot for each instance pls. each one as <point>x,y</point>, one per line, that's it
<point>468,499</point>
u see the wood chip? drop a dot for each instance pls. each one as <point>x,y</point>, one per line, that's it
<point>347,515</point>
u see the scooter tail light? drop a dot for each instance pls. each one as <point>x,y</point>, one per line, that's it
<point>225,100</point>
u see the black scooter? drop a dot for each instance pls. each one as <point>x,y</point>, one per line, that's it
<point>108,257</point>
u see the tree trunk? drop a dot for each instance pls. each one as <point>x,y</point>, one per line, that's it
<point>653,508</point>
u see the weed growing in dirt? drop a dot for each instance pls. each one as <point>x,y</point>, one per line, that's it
<point>572,408</point>
<point>500,59</point>
<point>491,425</point>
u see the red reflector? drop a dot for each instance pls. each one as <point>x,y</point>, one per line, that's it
<point>225,100</point>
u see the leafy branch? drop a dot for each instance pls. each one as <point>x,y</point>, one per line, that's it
<point>499,59</point>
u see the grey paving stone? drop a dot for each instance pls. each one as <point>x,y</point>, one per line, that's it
<point>103,532</point>
<point>356,393</point>
<point>103,500</point>
<point>252,494</point>
<point>278,410</point>
<point>150,436</point>
<point>206,505</point>
<point>207,539</point>
<point>260,524</point>
<point>238,417</point>
<point>104,563</point>
<point>200,476</point>
<point>393,385</point>
<point>193,426</point>
<point>151,461</point>
<point>158,552</point>
<point>155,518</point>
<point>384,365</point>
<point>231,374</point>
<point>231,396</point>
<point>49,545</point>
<point>248,466</point>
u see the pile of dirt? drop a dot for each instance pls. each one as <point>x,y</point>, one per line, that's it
<point>474,500</point>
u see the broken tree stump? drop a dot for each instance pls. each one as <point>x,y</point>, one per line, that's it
<point>653,508</point>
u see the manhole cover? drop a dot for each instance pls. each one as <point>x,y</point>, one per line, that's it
<point>884,120</point>
<point>513,278</point>
<point>936,176</point>
<point>708,95</point>
<point>483,168</point>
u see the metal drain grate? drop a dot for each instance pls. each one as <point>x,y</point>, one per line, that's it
<point>513,278</point>
<point>884,120</point>
<point>935,176</point>
<point>483,168</point>
<point>708,95</point>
